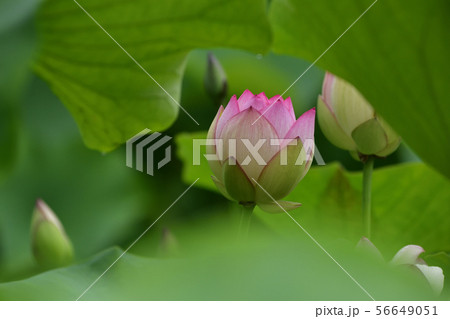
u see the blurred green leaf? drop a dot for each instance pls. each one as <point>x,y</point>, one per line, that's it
<point>185,152</point>
<point>8,139</point>
<point>99,200</point>
<point>13,12</point>
<point>409,202</point>
<point>17,47</point>
<point>109,96</point>
<point>396,55</point>
<point>409,207</point>
<point>263,268</point>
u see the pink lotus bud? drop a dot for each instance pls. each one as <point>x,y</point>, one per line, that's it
<point>51,246</point>
<point>350,122</point>
<point>262,150</point>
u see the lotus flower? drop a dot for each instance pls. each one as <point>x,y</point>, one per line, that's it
<point>259,148</point>
<point>349,121</point>
<point>408,256</point>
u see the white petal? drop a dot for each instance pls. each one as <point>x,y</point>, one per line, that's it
<point>434,276</point>
<point>408,255</point>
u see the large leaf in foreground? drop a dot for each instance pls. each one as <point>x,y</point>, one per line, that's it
<point>263,268</point>
<point>396,55</point>
<point>109,96</point>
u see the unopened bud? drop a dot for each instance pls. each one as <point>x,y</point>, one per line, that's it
<point>216,84</point>
<point>349,121</point>
<point>50,244</point>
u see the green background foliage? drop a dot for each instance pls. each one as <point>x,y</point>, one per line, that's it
<point>396,55</point>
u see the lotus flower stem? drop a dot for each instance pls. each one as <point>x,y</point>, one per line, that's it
<point>246,218</point>
<point>367,195</point>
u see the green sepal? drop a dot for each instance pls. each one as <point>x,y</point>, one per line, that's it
<point>355,155</point>
<point>236,182</point>
<point>274,207</point>
<point>215,165</point>
<point>278,180</point>
<point>370,137</point>
<point>220,187</point>
<point>331,127</point>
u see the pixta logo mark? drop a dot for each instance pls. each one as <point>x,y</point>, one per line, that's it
<point>142,148</point>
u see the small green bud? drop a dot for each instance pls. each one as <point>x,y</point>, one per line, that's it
<point>216,84</point>
<point>349,121</point>
<point>50,245</point>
